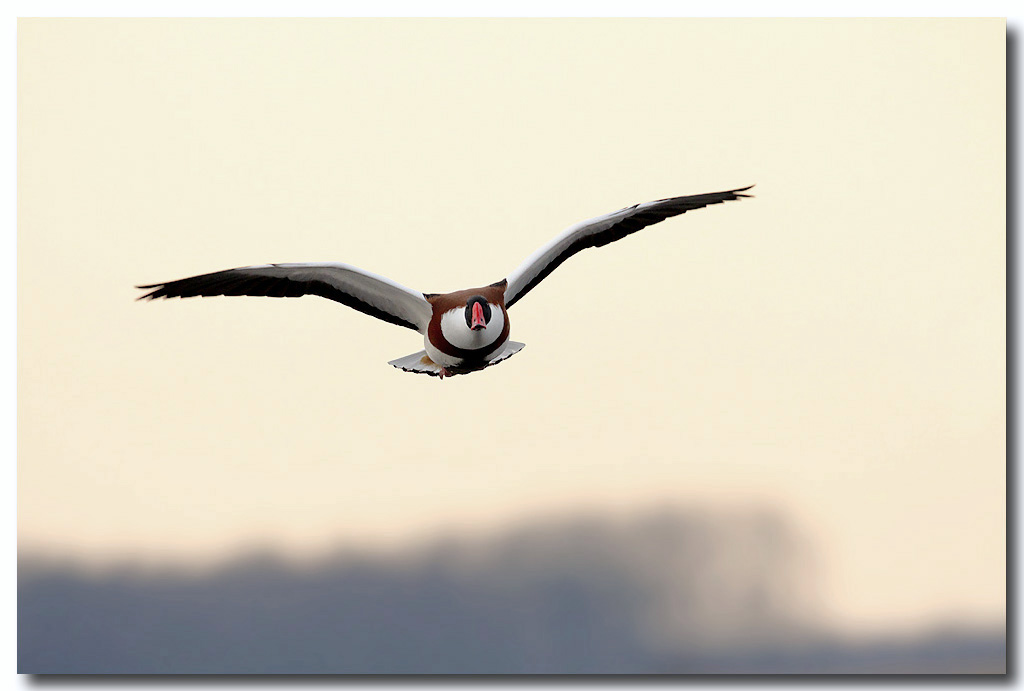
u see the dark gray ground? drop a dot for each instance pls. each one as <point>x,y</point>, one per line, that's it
<point>666,593</point>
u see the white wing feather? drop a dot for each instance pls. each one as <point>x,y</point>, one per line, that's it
<point>601,230</point>
<point>362,290</point>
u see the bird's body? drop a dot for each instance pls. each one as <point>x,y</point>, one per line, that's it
<point>464,331</point>
<point>452,341</point>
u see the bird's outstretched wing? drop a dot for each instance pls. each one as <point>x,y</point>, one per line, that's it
<point>367,292</point>
<point>600,231</point>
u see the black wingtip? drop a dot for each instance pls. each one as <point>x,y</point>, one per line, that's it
<point>151,295</point>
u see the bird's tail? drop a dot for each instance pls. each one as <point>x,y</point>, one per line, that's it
<point>420,362</point>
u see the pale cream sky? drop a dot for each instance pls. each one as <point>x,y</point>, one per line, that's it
<point>833,347</point>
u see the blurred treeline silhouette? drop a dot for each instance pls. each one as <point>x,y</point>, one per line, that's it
<point>668,592</point>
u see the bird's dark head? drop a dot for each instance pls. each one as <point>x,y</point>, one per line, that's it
<point>478,313</point>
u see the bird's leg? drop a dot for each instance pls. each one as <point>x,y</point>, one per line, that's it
<point>444,373</point>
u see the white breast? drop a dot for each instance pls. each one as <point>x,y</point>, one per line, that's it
<point>457,332</point>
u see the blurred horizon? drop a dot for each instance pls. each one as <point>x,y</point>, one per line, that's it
<point>661,591</point>
<point>813,556</point>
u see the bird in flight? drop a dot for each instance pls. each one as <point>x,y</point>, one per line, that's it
<point>465,331</point>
